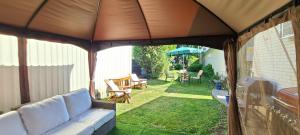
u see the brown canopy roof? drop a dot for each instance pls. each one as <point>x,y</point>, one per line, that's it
<point>133,21</point>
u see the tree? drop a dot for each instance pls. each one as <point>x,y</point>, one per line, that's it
<point>152,59</point>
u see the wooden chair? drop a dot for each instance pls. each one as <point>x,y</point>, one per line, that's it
<point>118,92</point>
<point>137,82</point>
<point>198,77</point>
<point>185,77</point>
<point>124,82</point>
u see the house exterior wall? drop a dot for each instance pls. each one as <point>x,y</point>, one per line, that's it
<point>270,60</point>
<point>112,63</point>
<point>216,59</point>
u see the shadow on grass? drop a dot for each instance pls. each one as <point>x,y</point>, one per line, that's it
<point>170,115</point>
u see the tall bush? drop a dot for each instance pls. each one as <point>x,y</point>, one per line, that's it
<point>178,67</point>
<point>152,59</point>
<point>195,66</point>
<point>208,71</point>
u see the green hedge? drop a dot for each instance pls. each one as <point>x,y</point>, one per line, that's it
<point>195,67</point>
<point>208,71</point>
<point>178,67</point>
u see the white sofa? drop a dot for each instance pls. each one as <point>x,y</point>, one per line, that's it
<point>70,114</point>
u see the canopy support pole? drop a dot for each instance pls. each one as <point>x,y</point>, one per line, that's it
<point>230,55</point>
<point>92,59</point>
<point>23,70</point>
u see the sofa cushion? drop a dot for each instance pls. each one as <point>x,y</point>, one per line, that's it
<point>95,117</point>
<point>11,124</point>
<point>44,115</point>
<point>78,102</point>
<point>71,128</point>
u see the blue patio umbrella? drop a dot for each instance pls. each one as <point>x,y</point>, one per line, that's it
<point>184,51</point>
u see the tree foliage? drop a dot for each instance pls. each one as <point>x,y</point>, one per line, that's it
<point>152,59</point>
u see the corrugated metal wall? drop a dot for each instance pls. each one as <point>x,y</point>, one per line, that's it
<point>55,68</point>
<point>9,73</point>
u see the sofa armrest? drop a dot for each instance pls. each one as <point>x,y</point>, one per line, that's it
<point>103,104</point>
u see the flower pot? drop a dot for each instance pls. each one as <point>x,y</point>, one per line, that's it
<point>218,86</point>
<point>227,99</point>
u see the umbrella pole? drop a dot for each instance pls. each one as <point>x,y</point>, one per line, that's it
<point>183,61</point>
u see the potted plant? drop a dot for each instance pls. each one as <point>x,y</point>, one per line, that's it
<point>225,87</point>
<point>218,82</point>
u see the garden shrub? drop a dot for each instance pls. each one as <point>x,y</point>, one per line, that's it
<point>208,71</point>
<point>178,66</point>
<point>195,67</point>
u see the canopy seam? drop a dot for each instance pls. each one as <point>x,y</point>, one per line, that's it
<point>35,13</point>
<point>145,20</point>
<point>235,33</point>
<point>96,21</point>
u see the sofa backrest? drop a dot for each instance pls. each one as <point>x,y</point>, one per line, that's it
<point>77,102</point>
<point>42,116</point>
<point>11,124</point>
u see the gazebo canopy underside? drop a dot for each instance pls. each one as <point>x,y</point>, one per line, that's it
<point>138,22</point>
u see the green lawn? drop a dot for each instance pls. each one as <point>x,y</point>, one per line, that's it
<point>169,108</point>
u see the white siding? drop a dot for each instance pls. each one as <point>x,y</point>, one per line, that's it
<point>112,63</point>
<point>271,62</point>
<point>216,59</point>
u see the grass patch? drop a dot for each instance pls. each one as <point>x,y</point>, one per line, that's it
<point>168,108</point>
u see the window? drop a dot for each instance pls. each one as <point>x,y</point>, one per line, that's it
<point>285,29</point>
